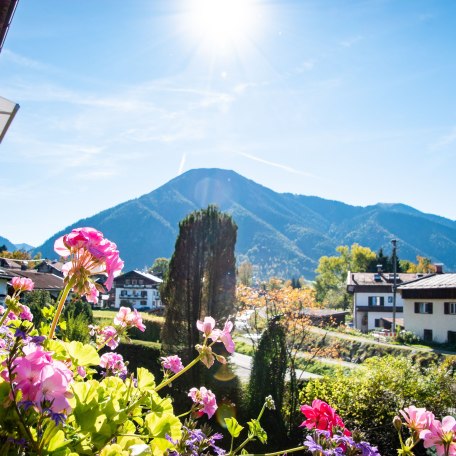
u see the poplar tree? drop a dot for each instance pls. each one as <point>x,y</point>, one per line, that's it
<point>201,280</point>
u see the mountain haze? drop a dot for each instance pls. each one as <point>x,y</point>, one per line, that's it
<point>282,233</point>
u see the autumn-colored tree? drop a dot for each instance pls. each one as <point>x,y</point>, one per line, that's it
<point>291,309</point>
<point>245,273</point>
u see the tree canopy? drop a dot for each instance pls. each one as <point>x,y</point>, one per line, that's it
<point>202,277</point>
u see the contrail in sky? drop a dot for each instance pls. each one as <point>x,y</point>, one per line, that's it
<point>276,165</point>
<point>182,163</point>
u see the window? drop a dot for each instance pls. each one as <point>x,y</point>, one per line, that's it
<point>143,303</point>
<point>377,323</point>
<point>127,282</point>
<point>376,300</point>
<point>449,308</point>
<point>390,299</point>
<point>123,293</point>
<point>427,335</point>
<point>423,307</point>
<point>452,337</point>
<point>140,282</point>
<point>143,294</point>
<point>134,282</point>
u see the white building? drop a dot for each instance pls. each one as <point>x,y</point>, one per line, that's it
<point>373,299</point>
<point>4,279</point>
<point>430,307</point>
<point>138,290</point>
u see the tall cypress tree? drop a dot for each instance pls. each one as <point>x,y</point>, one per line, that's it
<point>201,279</point>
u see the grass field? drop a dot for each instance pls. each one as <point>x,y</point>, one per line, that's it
<point>110,314</point>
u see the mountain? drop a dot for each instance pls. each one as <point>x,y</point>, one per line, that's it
<point>8,244</point>
<point>283,234</point>
<point>24,246</point>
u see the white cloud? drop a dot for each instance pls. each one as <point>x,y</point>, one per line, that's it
<point>445,140</point>
<point>25,61</point>
<point>349,42</point>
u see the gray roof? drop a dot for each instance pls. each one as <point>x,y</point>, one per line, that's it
<point>383,279</point>
<point>437,281</point>
<point>42,281</point>
<point>150,276</point>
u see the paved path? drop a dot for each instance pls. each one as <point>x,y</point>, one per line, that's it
<point>243,366</point>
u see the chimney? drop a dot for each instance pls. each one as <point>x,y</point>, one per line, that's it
<point>379,268</point>
<point>438,268</point>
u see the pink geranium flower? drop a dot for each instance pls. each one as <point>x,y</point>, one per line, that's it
<point>113,363</point>
<point>225,336</point>
<point>205,400</point>
<point>441,435</point>
<point>90,254</point>
<point>206,326</point>
<point>42,380</point>
<point>172,363</point>
<point>22,284</point>
<point>110,336</point>
<point>323,417</point>
<point>25,313</point>
<point>417,419</point>
<point>126,318</point>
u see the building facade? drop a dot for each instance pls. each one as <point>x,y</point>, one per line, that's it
<point>373,299</point>
<point>430,308</point>
<point>138,290</point>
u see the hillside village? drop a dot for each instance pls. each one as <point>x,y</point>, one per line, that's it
<point>425,303</point>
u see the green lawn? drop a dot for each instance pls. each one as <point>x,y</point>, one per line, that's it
<point>110,314</point>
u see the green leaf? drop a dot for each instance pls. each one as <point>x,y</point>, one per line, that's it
<point>160,426</point>
<point>234,428</point>
<point>57,441</point>
<point>257,431</point>
<point>146,380</point>
<point>83,354</point>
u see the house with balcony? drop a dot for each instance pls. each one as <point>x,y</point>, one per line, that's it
<point>430,307</point>
<point>137,290</point>
<point>373,299</point>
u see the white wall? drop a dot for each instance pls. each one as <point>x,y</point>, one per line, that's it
<point>438,322</point>
<point>134,297</point>
<point>362,300</point>
<point>3,289</point>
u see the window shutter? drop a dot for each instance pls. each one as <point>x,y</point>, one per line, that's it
<point>369,300</point>
<point>417,307</point>
<point>431,305</point>
<point>382,300</point>
<point>446,308</point>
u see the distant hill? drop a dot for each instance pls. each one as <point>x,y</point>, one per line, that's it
<point>284,234</point>
<point>25,247</point>
<point>7,243</point>
<point>11,247</point>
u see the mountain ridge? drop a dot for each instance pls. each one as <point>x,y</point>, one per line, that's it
<point>282,233</point>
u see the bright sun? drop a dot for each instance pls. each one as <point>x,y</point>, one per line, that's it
<point>222,26</point>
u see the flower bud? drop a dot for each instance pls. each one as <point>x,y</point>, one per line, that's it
<point>269,401</point>
<point>397,423</point>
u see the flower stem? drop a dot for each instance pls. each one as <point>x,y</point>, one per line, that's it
<point>171,379</point>
<point>250,437</point>
<point>58,312</point>
<point>292,450</point>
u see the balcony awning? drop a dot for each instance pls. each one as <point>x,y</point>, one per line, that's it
<point>8,110</point>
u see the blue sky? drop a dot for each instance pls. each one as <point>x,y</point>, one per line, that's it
<point>353,101</point>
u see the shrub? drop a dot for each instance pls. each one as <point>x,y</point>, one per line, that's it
<point>407,337</point>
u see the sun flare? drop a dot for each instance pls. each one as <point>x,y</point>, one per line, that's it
<point>223,25</point>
